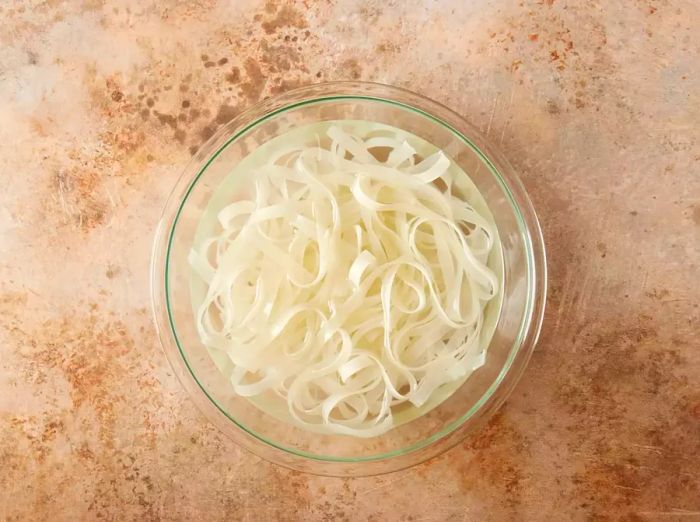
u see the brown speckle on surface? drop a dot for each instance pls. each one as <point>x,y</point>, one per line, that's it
<point>234,76</point>
<point>602,248</point>
<point>696,214</point>
<point>552,107</point>
<point>180,135</point>
<point>253,88</point>
<point>595,104</point>
<point>286,16</point>
<point>112,271</point>
<point>166,119</point>
<point>207,132</point>
<point>352,69</point>
<point>225,113</point>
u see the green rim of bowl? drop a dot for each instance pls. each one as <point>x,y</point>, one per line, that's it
<point>522,332</point>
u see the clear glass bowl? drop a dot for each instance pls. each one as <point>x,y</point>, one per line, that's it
<point>524,287</point>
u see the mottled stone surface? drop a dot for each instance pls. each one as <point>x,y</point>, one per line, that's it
<point>596,104</point>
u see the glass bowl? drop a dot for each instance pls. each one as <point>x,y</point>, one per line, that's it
<point>516,329</point>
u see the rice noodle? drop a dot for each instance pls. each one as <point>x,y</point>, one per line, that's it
<point>345,285</point>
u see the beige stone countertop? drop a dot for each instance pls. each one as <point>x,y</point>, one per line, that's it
<point>596,104</point>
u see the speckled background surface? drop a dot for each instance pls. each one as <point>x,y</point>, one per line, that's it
<point>595,103</point>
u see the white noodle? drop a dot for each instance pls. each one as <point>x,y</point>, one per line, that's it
<point>347,285</point>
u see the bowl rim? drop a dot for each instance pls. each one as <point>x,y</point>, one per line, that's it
<point>528,225</point>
